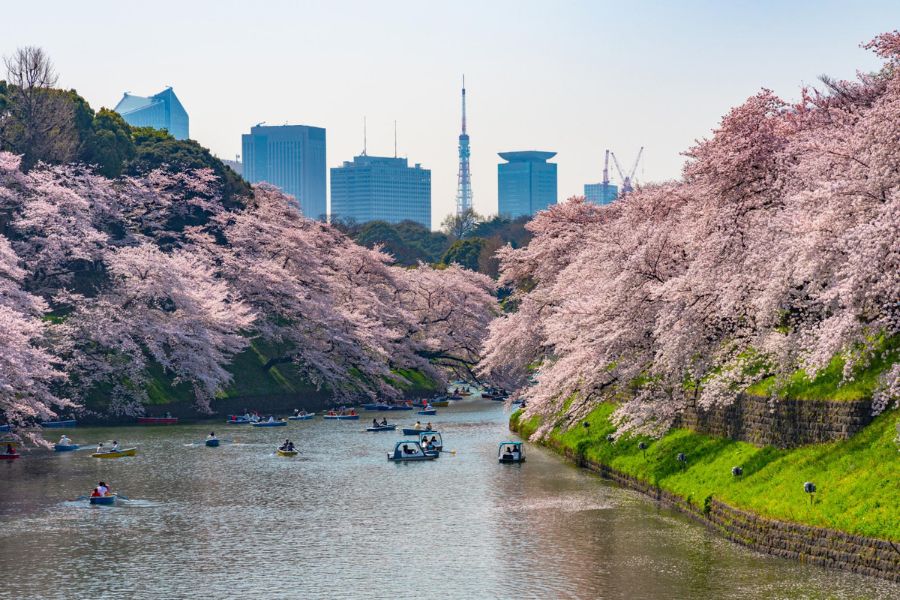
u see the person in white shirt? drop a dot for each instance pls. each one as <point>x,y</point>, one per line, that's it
<point>65,441</point>
<point>115,446</point>
<point>211,436</point>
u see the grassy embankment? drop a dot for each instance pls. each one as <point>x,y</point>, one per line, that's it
<point>858,480</point>
<point>250,379</point>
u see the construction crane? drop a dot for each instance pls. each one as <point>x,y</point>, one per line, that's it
<point>627,180</point>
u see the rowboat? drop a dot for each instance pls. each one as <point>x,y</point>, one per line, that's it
<point>65,447</point>
<point>117,454</point>
<point>213,443</point>
<point>342,417</point>
<point>270,424</point>
<point>4,427</point>
<point>58,424</point>
<point>417,431</point>
<point>281,452</point>
<point>428,411</point>
<point>305,417</point>
<point>235,420</point>
<point>410,450</point>
<point>157,420</point>
<point>381,428</point>
<point>104,500</point>
<point>5,456</point>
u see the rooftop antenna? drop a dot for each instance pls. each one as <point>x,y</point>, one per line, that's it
<point>395,138</point>
<point>364,137</point>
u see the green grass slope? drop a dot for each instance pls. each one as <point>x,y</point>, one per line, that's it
<point>858,480</point>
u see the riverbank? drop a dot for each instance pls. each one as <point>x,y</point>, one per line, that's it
<point>852,522</point>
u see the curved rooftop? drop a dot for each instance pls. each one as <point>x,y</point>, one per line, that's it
<point>527,156</point>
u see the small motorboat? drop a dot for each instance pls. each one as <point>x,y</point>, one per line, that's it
<point>389,427</point>
<point>287,453</point>
<point>511,452</point>
<point>303,417</point>
<point>213,442</point>
<point>237,420</point>
<point>59,424</point>
<point>117,454</point>
<point>270,424</point>
<point>157,420</point>
<point>410,450</point>
<point>104,500</point>
<point>65,447</point>
<point>431,441</point>
<point>413,431</point>
<point>428,410</point>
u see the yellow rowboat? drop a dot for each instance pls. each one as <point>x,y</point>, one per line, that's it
<point>118,454</point>
<point>286,452</point>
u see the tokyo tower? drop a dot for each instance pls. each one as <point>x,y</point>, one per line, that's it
<point>464,183</point>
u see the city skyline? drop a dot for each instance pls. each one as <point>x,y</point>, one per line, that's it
<point>615,76</point>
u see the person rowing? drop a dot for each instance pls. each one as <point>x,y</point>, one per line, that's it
<point>115,446</point>
<point>10,449</point>
<point>101,490</point>
<point>429,427</point>
<point>384,421</point>
<point>375,423</point>
<point>211,436</point>
<point>65,441</point>
<point>418,425</point>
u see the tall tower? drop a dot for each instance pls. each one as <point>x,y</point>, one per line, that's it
<point>464,183</point>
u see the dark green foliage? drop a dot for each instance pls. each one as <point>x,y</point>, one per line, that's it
<point>408,242</point>
<point>108,144</point>
<point>465,253</point>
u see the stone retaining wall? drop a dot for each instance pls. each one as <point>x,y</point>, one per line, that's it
<point>817,545</point>
<point>784,424</point>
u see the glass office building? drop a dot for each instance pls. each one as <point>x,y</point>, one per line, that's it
<point>380,188</point>
<point>160,111</point>
<point>600,193</point>
<point>526,183</point>
<point>292,158</point>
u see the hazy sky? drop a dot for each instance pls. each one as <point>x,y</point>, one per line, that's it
<point>572,77</point>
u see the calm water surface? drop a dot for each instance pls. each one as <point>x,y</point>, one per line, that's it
<point>340,521</point>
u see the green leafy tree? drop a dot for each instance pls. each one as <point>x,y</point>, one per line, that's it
<point>466,253</point>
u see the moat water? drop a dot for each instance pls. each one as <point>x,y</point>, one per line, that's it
<point>341,521</point>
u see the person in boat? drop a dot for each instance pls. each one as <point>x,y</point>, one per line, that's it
<point>65,441</point>
<point>10,449</point>
<point>115,446</point>
<point>433,440</point>
<point>429,427</point>
<point>100,448</point>
<point>211,436</point>
<point>407,449</point>
<point>284,446</point>
<point>384,421</point>
<point>418,425</point>
<point>374,422</point>
<point>101,490</point>
<point>168,415</point>
<point>271,419</point>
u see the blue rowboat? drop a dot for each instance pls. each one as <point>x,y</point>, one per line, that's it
<point>65,447</point>
<point>373,406</point>
<point>104,500</point>
<point>342,417</point>
<point>305,417</point>
<point>270,424</point>
<point>4,427</point>
<point>58,424</point>
<point>428,411</point>
<point>381,428</point>
<point>417,431</point>
<point>213,443</point>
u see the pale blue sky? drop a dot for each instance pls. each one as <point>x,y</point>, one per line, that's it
<point>572,77</point>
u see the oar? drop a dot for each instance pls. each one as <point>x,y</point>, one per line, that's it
<point>122,496</point>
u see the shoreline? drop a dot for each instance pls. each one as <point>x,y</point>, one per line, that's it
<point>829,548</point>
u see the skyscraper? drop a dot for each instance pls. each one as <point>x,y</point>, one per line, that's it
<point>381,188</point>
<point>526,183</point>
<point>464,180</point>
<point>600,193</point>
<point>291,157</point>
<point>160,111</point>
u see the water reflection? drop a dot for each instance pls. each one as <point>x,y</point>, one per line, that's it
<point>340,521</point>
